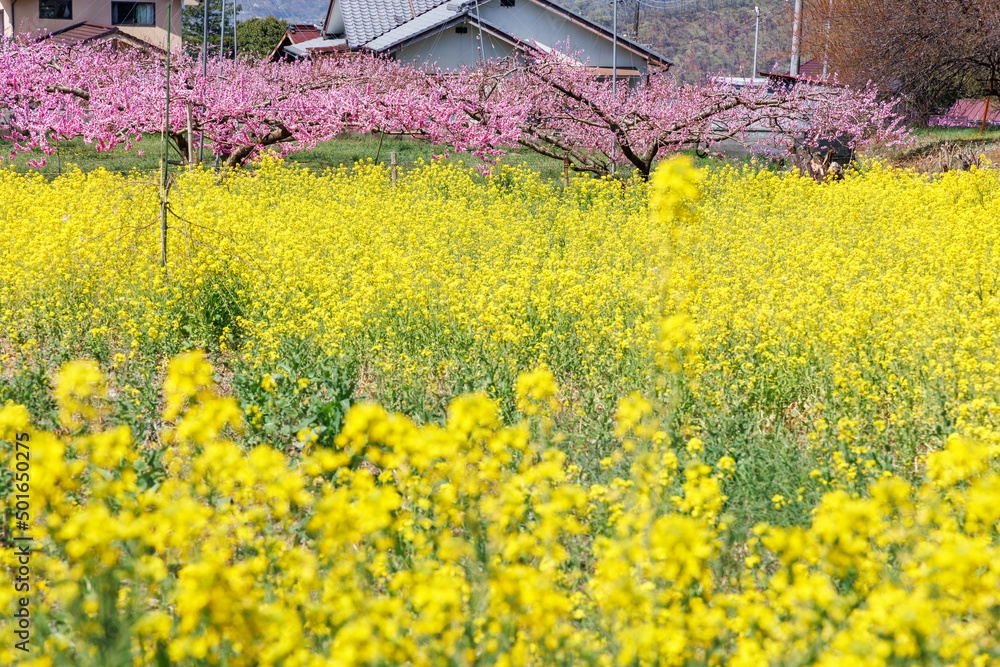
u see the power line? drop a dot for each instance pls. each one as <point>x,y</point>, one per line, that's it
<point>666,4</point>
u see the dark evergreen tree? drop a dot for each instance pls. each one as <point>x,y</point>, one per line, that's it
<point>259,36</point>
<point>194,18</point>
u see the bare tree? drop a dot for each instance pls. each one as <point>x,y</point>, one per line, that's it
<point>928,52</point>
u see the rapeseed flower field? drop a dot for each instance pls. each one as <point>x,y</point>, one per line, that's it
<point>726,418</point>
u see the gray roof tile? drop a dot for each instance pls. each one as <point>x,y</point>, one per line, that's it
<point>382,24</point>
<point>364,20</point>
<point>426,21</point>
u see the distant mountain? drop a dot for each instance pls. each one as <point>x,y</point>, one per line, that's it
<point>293,11</point>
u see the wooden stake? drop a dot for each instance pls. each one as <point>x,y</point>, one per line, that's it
<point>378,153</point>
<point>393,164</point>
<point>566,170</point>
<point>993,91</point>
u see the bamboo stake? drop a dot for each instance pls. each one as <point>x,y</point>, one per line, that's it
<point>393,165</point>
<point>204,74</point>
<point>190,148</point>
<point>163,164</point>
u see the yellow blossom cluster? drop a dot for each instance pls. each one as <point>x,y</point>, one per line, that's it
<point>472,543</point>
<point>857,319</point>
<point>439,283</point>
<point>794,384</point>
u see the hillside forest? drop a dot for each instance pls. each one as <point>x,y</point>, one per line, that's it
<point>704,37</point>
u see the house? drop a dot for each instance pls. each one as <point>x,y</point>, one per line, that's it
<point>969,113</point>
<point>738,82</point>
<point>142,24</point>
<point>296,34</point>
<point>810,71</point>
<point>449,33</point>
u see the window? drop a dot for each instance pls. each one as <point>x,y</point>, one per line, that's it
<point>55,9</point>
<point>462,29</point>
<point>133,13</point>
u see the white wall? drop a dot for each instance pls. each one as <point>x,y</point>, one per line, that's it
<point>527,21</point>
<point>530,21</point>
<point>450,50</point>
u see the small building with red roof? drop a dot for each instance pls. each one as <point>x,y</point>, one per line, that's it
<point>142,24</point>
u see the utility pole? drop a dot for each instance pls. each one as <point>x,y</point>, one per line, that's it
<point>236,20</point>
<point>204,74</point>
<point>756,35</point>
<point>796,38</point>
<point>635,31</point>
<point>826,47</point>
<point>614,74</point>
<point>222,32</point>
<point>479,23</point>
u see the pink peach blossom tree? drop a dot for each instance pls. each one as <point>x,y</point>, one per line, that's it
<point>547,103</point>
<point>571,113</point>
<point>112,97</point>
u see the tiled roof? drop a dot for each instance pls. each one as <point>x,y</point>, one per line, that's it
<point>379,25</point>
<point>364,20</point>
<point>302,32</point>
<point>810,70</point>
<point>80,33</point>
<point>316,46</point>
<point>970,112</point>
<point>296,35</point>
<point>426,21</point>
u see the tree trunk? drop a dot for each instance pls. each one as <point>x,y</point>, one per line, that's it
<point>181,143</point>
<point>240,154</point>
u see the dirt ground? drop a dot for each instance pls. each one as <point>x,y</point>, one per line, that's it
<point>946,149</point>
